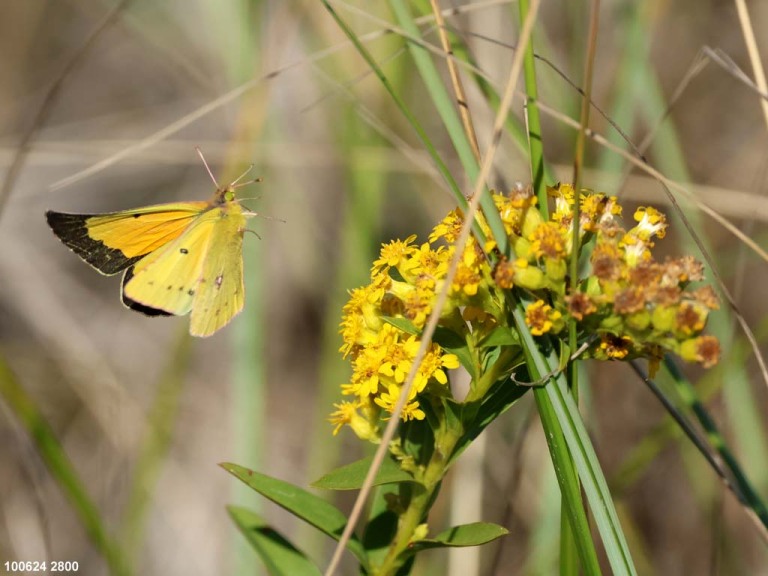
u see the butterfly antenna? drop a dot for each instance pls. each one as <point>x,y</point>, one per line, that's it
<point>253,181</point>
<point>200,153</point>
<point>236,180</point>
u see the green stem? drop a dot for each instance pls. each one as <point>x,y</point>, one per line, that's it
<point>421,500</point>
<point>483,384</point>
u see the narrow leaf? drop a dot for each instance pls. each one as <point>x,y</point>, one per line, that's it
<point>351,476</point>
<point>473,534</point>
<point>279,556</point>
<point>310,508</point>
<point>501,336</point>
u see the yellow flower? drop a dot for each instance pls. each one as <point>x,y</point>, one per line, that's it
<point>704,349</point>
<point>468,278</point>
<point>418,303</point>
<point>690,318</point>
<point>394,253</point>
<point>347,414</point>
<point>343,415</point>
<point>615,347</point>
<point>432,367</point>
<point>541,318</point>
<point>564,199</point>
<point>365,375</point>
<point>387,400</point>
<point>428,262</point>
<point>547,241</point>
<point>449,229</point>
<point>651,223</point>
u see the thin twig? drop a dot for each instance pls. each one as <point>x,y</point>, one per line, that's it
<point>458,87</point>
<point>754,54</point>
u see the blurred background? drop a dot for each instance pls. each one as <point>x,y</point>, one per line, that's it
<point>101,106</point>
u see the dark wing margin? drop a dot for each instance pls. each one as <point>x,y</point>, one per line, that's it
<point>137,306</point>
<point>72,230</point>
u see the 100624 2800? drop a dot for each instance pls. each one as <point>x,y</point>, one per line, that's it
<point>32,566</point>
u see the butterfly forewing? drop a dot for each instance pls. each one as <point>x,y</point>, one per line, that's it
<point>220,291</point>
<point>113,242</point>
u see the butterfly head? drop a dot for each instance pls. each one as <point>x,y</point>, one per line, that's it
<point>226,194</point>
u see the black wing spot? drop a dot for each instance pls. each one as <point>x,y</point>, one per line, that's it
<point>181,288</point>
<point>191,292</point>
<point>183,250</point>
<point>137,215</point>
<point>169,287</point>
<point>151,283</point>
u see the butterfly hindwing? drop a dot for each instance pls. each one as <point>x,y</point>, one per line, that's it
<point>220,292</point>
<point>137,306</point>
<point>115,241</point>
<point>167,279</point>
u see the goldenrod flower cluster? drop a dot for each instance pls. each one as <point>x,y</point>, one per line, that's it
<point>638,307</point>
<point>627,304</point>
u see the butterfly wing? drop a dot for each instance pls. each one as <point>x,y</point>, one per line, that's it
<point>165,281</point>
<point>115,241</point>
<point>220,292</point>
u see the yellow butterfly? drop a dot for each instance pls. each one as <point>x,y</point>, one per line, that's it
<point>178,258</point>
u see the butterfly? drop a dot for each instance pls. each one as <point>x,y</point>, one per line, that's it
<point>176,258</point>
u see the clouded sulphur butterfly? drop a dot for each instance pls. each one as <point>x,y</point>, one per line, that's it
<point>178,258</point>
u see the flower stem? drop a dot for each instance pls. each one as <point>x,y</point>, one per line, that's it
<point>428,482</point>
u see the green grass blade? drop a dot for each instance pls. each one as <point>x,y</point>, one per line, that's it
<point>568,480</point>
<point>560,412</point>
<point>445,105</point>
<point>745,492</point>
<point>60,467</point>
<point>536,142</point>
<point>442,168</point>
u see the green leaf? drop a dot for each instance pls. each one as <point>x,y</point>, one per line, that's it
<point>278,554</point>
<point>500,336</point>
<point>473,534</point>
<point>379,533</point>
<point>497,401</point>
<point>455,344</point>
<point>310,508</point>
<point>402,324</point>
<point>351,476</point>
